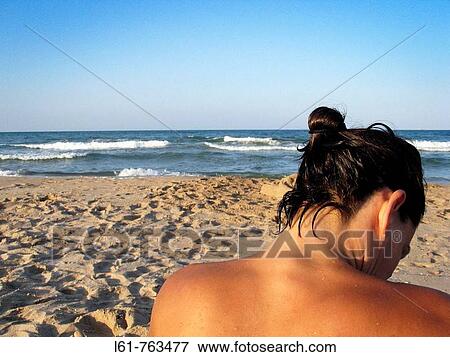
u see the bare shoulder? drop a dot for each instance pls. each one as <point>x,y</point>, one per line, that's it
<point>222,299</point>
<point>429,306</point>
<point>380,308</point>
<point>186,302</point>
<point>433,299</point>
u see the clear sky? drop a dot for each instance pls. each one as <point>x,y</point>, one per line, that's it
<point>222,64</point>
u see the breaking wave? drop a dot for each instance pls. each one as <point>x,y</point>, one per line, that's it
<point>250,139</point>
<point>426,145</point>
<point>8,173</point>
<point>41,156</point>
<point>97,145</point>
<point>251,147</point>
<point>140,172</point>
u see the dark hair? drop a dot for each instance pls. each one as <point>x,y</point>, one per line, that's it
<point>342,167</point>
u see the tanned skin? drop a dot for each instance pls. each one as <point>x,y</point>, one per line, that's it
<point>315,296</point>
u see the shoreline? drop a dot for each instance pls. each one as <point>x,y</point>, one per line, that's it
<point>65,272</point>
<point>274,178</point>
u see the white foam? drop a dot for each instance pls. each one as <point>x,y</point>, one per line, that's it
<point>250,139</point>
<point>8,173</point>
<point>40,156</point>
<point>427,145</point>
<point>97,145</point>
<point>251,147</point>
<point>139,172</point>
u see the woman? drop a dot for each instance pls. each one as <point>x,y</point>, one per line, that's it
<point>357,201</point>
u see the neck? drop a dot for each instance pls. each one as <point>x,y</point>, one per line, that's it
<point>322,240</point>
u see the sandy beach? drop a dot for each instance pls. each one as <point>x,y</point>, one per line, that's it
<point>86,256</point>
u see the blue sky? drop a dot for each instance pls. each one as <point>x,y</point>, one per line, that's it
<point>222,64</point>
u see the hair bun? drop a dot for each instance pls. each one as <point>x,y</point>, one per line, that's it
<point>326,120</point>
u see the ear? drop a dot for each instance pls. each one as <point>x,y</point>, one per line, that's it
<point>389,207</point>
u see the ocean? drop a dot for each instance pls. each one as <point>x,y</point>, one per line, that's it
<point>255,153</point>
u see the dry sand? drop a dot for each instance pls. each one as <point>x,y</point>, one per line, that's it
<point>86,256</point>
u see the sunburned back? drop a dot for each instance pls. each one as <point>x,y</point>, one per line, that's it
<point>294,297</point>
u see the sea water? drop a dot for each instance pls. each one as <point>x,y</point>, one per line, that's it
<point>255,153</point>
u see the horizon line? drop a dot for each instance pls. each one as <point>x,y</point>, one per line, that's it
<point>168,130</point>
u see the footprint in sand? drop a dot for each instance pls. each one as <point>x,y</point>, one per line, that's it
<point>114,322</point>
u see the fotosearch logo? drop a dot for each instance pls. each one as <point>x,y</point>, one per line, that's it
<point>325,242</point>
<point>215,243</point>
